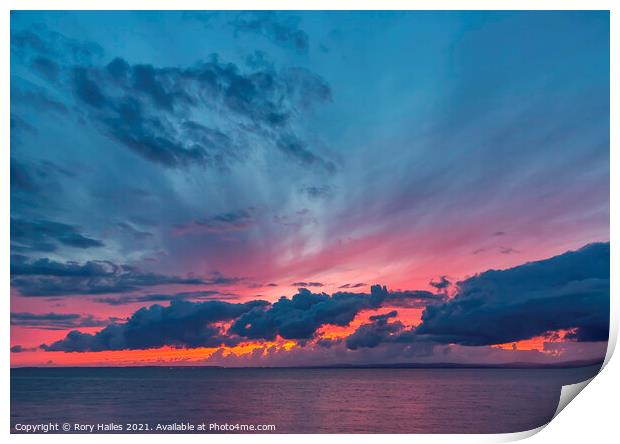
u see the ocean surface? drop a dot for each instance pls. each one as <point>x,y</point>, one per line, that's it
<point>358,400</point>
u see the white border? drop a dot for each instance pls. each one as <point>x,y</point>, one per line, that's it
<point>602,407</point>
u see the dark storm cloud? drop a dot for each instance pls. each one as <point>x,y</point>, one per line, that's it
<point>376,332</point>
<point>307,284</point>
<point>46,68</point>
<point>87,89</point>
<point>411,298</point>
<point>45,235</point>
<point>569,291</point>
<point>149,109</point>
<point>441,284</point>
<point>57,321</point>
<point>191,324</point>
<point>358,285</point>
<point>186,295</point>
<point>296,149</point>
<point>21,178</point>
<point>33,181</point>
<point>500,249</point>
<point>46,277</point>
<point>302,315</point>
<point>22,349</point>
<point>384,317</point>
<point>182,324</point>
<point>305,87</point>
<point>32,184</point>
<point>275,26</point>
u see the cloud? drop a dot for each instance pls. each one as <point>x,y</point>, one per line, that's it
<point>130,229</point>
<point>193,324</point>
<point>384,317</point>
<point>32,184</point>
<point>20,177</point>
<point>57,321</point>
<point>569,291</point>
<point>302,315</point>
<point>299,317</point>
<point>441,284</point>
<point>149,109</point>
<point>182,324</point>
<point>46,277</point>
<point>220,223</point>
<point>507,250</point>
<point>46,68</point>
<point>46,235</point>
<point>296,149</point>
<point>21,349</point>
<point>307,284</point>
<point>358,285</point>
<point>276,27</point>
<point>37,99</point>
<point>377,332</point>
<point>210,114</point>
<point>500,249</point>
<point>411,298</point>
<point>28,45</point>
<point>19,125</point>
<point>566,292</point>
<point>133,299</point>
<point>317,192</point>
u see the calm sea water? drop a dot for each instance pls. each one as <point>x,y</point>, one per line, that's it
<point>296,400</point>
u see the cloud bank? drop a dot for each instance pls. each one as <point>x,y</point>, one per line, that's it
<point>569,291</point>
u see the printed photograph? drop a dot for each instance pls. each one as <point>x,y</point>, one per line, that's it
<point>306,221</point>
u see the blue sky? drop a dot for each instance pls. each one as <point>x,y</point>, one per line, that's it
<point>256,151</point>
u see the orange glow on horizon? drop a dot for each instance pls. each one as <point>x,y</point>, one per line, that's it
<point>536,343</point>
<point>157,356</point>
<point>410,317</point>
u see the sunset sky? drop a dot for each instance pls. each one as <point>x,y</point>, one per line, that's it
<point>175,174</point>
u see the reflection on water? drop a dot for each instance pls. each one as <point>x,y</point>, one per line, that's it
<point>296,400</point>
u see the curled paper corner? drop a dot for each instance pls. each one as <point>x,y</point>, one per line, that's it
<point>518,436</point>
<point>568,393</point>
<point>611,341</point>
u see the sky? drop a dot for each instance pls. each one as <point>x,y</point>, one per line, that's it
<point>309,188</point>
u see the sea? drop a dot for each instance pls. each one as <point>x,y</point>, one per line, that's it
<point>286,400</point>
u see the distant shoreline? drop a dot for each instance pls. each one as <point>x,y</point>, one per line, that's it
<point>444,365</point>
